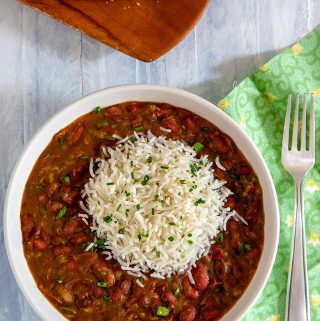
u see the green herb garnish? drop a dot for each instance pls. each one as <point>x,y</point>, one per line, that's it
<point>177,292</point>
<point>145,180</point>
<point>149,159</point>
<point>109,137</point>
<point>172,223</point>
<point>105,298</point>
<point>121,231</point>
<point>66,179</point>
<point>247,247</point>
<point>182,181</point>
<point>97,109</point>
<point>190,242</point>
<point>162,311</point>
<point>102,284</point>
<point>110,183</point>
<point>171,238</point>
<point>164,167</point>
<point>199,201</point>
<point>107,219</point>
<point>62,212</point>
<point>220,237</point>
<point>198,147</point>
<point>139,129</point>
<point>138,206</point>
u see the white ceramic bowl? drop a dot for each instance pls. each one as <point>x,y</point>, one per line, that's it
<point>106,97</point>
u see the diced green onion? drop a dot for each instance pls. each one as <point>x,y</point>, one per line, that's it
<point>132,175</point>
<point>107,219</point>
<point>102,123</point>
<point>164,167</point>
<point>171,238</point>
<point>145,180</point>
<point>118,208</point>
<point>105,298</point>
<point>190,234</point>
<point>139,129</point>
<point>139,237</point>
<point>138,206</point>
<point>172,223</point>
<point>220,237</point>
<point>153,211</point>
<point>102,284</point>
<point>121,231</point>
<point>199,201</point>
<point>62,212</point>
<point>177,292</point>
<point>247,247</point>
<point>198,147</point>
<point>182,181</point>
<point>109,137</point>
<point>127,193</point>
<point>85,157</point>
<point>103,273</point>
<point>133,139</point>
<point>97,109</point>
<point>169,279</point>
<point>149,159</point>
<point>66,179</point>
<point>162,311</point>
<point>110,183</point>
<point>190,242</point>
<point>205,129</point>
<point>156,196</point>
<point>68,309</point>
<point>38,187</point>
<point>100,242</point>
<point>158,254</point>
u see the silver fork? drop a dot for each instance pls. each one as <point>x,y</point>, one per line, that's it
<point>298,160</point>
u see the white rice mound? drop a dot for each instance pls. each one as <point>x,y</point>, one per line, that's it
<point>155,204</point>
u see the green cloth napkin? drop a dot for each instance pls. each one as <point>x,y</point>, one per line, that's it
<point>258,104</point>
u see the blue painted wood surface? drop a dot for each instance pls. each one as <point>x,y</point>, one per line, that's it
<point>45,65</point>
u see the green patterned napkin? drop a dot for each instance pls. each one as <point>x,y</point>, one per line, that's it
<point>258,104</point>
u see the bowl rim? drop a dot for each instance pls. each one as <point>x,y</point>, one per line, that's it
<point>178,93</point>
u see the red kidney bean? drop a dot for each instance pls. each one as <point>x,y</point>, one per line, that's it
<point>114,111</point>
<point>154,304</point>
<point>39,244</point>
<point>169,298</point>
<point>85,260</point>
<point>62,250</point>
<point>117,296</point>
<point>104,273</point>
<point>71,197</point>
<point>76,133</point>
<point>27,226</point>
<point>73,226</point>
<point>55,206</point>
<point>231,203</point>
<point>52,189</point>
<point>134,106</point>
<point>221,269</point>
<point>188,314</point>
<point>80,238</point>
<point>200,276</point>
<point>243,170</point>
<point>217,252</point>
<point>221,146</point>
<point>72,266</point>
<point>125,286</point>
<point>42,198</point>
<point>172,124</point>
<point>192,124</point>
<point>190,292</point>
<point>97,292</point>
<point>211,315</point>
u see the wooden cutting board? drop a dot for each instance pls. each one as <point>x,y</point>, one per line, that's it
<point>143,29</point>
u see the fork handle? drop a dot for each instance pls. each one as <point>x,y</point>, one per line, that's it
<point>297,308</point>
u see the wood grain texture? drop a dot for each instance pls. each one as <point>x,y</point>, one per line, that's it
<point>144,29</point>
<point>45,65</point>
